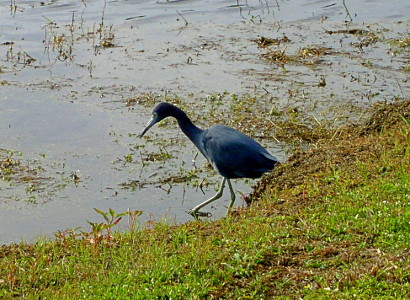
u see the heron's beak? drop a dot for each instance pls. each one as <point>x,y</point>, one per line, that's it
<point>151,123</point>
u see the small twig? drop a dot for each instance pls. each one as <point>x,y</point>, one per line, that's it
<point>13,8</point>
<point>186,22</point>
<point>102,18</point>
<point>314,117</point>
<point>90,68</point>
<point>72,28</point>
<point>347,11</point>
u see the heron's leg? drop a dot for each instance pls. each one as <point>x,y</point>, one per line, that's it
<point>232,193</point>
<point>194,159</point>
<point>194,211</point>
<point>196,154</point>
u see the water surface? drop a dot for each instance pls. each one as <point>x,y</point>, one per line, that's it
<point>63,95</point>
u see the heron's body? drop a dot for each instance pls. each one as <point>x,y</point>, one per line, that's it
<point>231,153</point>
<point>228,150</point>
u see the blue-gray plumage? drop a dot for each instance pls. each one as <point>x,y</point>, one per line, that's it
<point>230,152</point>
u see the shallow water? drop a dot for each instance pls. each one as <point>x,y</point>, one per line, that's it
<point>62,94</point>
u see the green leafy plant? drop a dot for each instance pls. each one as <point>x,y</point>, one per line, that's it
<point>111,219</point>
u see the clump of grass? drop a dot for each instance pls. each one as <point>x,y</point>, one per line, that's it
<point>399,45</point>
<point>277,56</point>
<point>308,56</point>
<point>314,51</point>
<point>264,42</point>
<point>12,169</point>
<point>145,99</point>
<point>150,99</point>
<point>63,39</point>
<point>8,165</point>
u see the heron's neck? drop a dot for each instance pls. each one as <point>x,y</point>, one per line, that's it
<point>187,127</point>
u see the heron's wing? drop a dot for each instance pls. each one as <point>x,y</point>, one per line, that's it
<point>234,154</point>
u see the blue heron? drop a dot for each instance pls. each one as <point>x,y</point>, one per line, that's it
<point>230,152</point>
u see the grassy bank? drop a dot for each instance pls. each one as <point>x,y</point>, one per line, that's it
<point>332,222</point>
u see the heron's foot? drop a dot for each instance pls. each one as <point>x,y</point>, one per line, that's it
<point>197,214</point>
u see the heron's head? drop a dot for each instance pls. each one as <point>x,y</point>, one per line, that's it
<point>160,112</point>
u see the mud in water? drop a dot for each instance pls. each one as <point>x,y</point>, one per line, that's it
<point>79,79</point>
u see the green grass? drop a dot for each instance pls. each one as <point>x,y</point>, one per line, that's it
<point>339,229</point>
